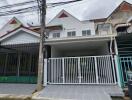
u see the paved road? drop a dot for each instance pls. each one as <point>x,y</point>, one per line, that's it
<point>20,91</point>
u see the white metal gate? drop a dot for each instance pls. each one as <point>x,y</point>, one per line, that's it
<point>81,70</point>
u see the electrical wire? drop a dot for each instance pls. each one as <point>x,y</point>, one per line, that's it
<point>37,7</point>
<point>18,4</point>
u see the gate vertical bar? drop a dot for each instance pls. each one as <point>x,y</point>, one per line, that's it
<point>79,70</point>
<point>96,70</point>
<point>30,65</point>
<point>18,64</point>
<point>5,64</point>
<point>63,70</point>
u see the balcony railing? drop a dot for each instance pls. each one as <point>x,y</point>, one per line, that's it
<point>122,33</point>
<point>104,29</point>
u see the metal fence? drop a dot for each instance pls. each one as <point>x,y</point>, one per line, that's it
<point>18,63</point>
<point>126,66</point>
<point>81,70</point>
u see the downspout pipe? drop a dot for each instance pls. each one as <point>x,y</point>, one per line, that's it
<point>111,41</point>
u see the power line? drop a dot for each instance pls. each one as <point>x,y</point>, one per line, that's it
<point>31,2</point>
<point>19,11</point>
<point>31,8</point>
<point>18,4</point>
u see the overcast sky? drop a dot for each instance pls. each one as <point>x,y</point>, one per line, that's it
<point>83,10</point>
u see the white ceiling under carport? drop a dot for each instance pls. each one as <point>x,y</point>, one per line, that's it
<point>81,45</point>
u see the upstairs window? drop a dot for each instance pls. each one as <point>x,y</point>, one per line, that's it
<point>86,32</point>
<point>71,34</point>
<point>104,27</point>
<point>122,30</point>
<point>56,35</point>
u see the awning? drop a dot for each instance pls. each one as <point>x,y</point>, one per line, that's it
<point>121,25</point>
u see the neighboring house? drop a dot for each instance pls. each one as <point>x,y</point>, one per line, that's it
<point>19,46</point>
<point>11,25</point>
<point>120,21</point>
<point>18,53</point>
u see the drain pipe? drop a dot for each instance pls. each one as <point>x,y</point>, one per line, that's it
<point>115,46</point>
<point>111,45</point>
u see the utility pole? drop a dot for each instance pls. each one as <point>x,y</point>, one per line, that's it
<point>42,8</point>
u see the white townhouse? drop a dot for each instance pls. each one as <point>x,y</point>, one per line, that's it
<point>80,52</point>
<point>76,43</point>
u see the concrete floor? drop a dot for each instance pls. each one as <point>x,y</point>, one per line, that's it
<point>79,92</point>
<point>58,92</point>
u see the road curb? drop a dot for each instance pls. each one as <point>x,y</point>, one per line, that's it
<point>15,97</point>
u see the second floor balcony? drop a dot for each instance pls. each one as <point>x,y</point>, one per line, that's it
<point>102,31</point>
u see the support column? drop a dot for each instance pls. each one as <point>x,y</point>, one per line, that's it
<point>117,65</point>
<point>47,51</point>
<point>45,72</point>
<point>118,71</point>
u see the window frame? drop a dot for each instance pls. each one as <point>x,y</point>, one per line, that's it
<point>71,34</point>
<point>86,32</point>
<point>56,35</point>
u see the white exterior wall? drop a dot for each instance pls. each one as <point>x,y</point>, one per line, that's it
<point>9,27</point>
<point>70,23</point>
<point>20,38</point>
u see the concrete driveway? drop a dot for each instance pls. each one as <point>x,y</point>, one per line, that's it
<point>79,92</point>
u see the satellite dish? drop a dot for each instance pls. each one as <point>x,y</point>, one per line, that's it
<point>129,30</point>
